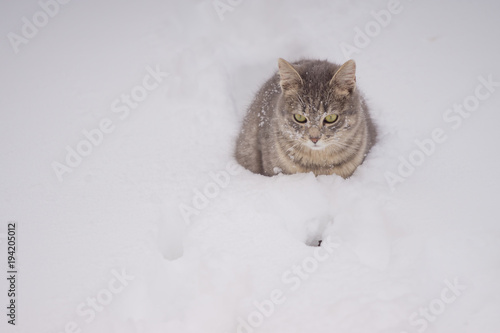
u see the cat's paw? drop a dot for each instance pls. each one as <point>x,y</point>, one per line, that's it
<point>277,170</point>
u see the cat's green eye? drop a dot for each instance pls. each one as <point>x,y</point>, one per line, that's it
<point>300,118</point>
<point>331,118</point>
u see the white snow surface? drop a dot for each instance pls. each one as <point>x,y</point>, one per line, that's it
<point>397,251</point>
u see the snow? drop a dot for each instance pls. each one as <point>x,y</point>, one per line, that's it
<point>244,259</point>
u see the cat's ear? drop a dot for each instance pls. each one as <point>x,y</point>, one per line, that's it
<point>289,77</point>
<point>344,80</point>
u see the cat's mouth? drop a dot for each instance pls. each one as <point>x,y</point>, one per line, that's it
<point>319,145</point>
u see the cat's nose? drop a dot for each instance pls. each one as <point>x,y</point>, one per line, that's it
<point>313,139</point>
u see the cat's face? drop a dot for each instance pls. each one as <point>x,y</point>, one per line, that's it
<point>318,107</point>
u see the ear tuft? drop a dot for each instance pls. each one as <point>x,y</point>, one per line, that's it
<point>289,77</point>
<point>344,80</point>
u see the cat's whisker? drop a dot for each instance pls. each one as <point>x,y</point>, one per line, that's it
<point>293,146</point>
<point>344,146</point>
<point>337,144</point>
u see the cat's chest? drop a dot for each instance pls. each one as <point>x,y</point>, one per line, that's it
<point>296,160</point>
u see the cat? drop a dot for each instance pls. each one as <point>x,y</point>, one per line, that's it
<point>308,117</point>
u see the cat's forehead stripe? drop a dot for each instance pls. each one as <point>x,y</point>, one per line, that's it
<point>315,106</point>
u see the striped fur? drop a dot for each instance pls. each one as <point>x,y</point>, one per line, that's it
<point>272,141</point>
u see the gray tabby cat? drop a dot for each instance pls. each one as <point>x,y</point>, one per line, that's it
<point>307,117</point>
